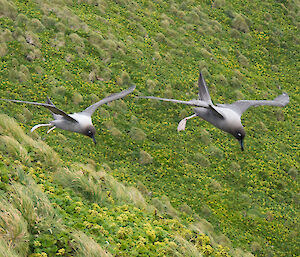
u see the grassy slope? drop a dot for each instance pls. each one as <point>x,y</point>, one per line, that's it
<point>250,196</point>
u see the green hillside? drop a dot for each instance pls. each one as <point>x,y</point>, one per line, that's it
<point>146,189</point>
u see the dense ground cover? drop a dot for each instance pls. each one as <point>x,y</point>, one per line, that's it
<point>79,51</point>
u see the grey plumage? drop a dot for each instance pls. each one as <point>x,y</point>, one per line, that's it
<point>80,122</point>
<point>226,117</point>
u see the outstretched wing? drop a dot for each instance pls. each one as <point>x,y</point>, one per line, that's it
<point>51,107</point>
<point>242,105</point>
<point>197,103</point>
<point>203,90</point>
<point>91,109</point>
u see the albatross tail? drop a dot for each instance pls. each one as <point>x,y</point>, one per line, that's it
<point>182,123</point>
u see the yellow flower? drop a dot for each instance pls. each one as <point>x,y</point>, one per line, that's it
<point>37,243</point>
<point>61,251</point>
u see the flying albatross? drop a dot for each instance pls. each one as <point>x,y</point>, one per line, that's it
<point>226,117</point>
<point>80,122</point>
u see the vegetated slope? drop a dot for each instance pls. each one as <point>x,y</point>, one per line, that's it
<point>77,52</point>
<point>48,209</point>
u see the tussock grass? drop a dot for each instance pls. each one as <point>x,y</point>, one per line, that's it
<point>239,23</point>
<point>239,95</point>
<point>3,49</point>
<point>279,115</point>
<point>94,98</point>
<point>83,183</point>
<point>48,22</point>
<point>34,204</point>
<point>215,151</point>
<point>21,20</point>
<point>44,153</point>
<point>186,209</point>
<point>115,132</point>
<point>59,41</point>
<point>255,247</point>
<point>235,82</point>
<point>164,206</point>
<point>32,38</point>
<point>219,3</point>
<point>123,193</point>
<point>293,172</point>
<point>36,25</point>
<point>179,70</point>
<point>33,55</point>
<point>5,250</point>
<point>206,54</point>
<point>14,149</point>
<point>205,136</point>
<point>221,79</point>
<point>77,98</point>
<point>61,90</point>
<point>13,230</point>
<point>215,185</point>
<point>8,9</point>
<point>145,158</point>
<point>243,60</point>
<point>201,160</point>
<point>168,92</point>
<point>18,144</point>
<point>184,248</point>
<point>77,40</point>
<point>137,134</point>
<point>22,77</point>
<point>86,247</point>
<point>98,186</point>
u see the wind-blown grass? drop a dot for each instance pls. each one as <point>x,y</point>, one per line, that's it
<point>252,44</point>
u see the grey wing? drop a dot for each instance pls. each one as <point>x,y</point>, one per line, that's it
<point>91,109</point>
<point>51,107</point>
<point>192,102</point>
<point>203,90</point>
<point>242,105</point>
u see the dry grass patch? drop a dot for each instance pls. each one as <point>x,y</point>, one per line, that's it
<point>13,228</point>
<point>18,144</point>
<point>87,184</point>
<point>184,248</point>
<point>13,148</point>
<point>3,49</point>
<point>8,9</point>
<point>86,247</point>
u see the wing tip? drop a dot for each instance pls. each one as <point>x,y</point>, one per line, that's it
<point>284,99</point>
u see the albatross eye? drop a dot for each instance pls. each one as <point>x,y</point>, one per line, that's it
<point>239,134</point>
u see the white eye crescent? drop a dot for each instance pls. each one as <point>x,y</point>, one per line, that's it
<point>239,134</point>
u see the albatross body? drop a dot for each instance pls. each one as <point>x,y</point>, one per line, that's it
<point>80,122</point>
<point>226,117</point>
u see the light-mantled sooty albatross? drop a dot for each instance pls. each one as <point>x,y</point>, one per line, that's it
<point>226,117</point>
<point>80,122</point>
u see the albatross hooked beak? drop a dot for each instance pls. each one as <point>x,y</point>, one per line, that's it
<point>242,144</point>
<point>94,139</point>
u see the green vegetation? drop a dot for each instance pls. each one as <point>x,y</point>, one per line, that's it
<point>198,194</point>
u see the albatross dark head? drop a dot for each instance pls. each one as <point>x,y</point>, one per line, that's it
<point>90,131</point>
<point>239,134</point>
